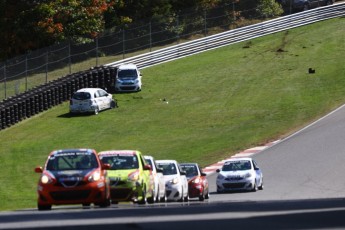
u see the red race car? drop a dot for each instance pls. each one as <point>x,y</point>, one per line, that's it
<point>197,181</point>
<point>73,176</point>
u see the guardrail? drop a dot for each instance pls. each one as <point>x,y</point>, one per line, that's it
<point>235,35</point>
<point>41,98</point>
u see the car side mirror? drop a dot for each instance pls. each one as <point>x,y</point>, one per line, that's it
<point>159,170</point>
<point>147,167</point>
<point>203,174</point>
<point>106,166</point>
<point>218,170</point>
<point>38,169</point>
<point>183,173</point>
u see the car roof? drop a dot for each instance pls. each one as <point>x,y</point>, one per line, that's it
<point>239,159</point>
<point>127,66</point>
<point>166,161</point>
<point>58,151</point>
<point>188,163</point>
<point>119,152</point>
<point>148,157</point>
<point>89,90</point>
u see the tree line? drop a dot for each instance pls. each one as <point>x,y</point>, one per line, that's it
<point>32,24</point>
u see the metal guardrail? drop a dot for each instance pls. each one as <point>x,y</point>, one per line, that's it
<point>43,97</point>
<point>234,36</point>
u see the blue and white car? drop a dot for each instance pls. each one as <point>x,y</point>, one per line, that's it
<point>239,174</point>
<point>128,78</point>
<point>176,184</point>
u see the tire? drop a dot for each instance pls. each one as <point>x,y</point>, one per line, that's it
<point>261,187</point>
<point>201,197</point>
<point>164,199</point>
<point>143,199</point>
<point>105,204</point>
<point>96,111</point>
<point>181,199</point>
<point>207,196</point>
<point>151,199</point>
<point>113,104</point>
<point>44,207</point>
<point>186,198</point>
<point>255,187</point>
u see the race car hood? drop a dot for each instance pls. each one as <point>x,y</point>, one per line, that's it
<point>122,174</point>
<point>236,174</point>
<point>70,178</point>
<point>170,177</point>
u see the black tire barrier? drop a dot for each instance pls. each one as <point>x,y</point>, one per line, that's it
<point>2,117</point>
<point>44,97</point>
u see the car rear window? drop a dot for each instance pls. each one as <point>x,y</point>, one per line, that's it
<point>81,96</point>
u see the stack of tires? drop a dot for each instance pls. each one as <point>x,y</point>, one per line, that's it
<point>41,98</point>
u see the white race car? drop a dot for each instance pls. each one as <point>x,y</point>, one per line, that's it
<point>91,100</point>
<point>239,174</point>
<point>159,182</point>
<point>176,184</point>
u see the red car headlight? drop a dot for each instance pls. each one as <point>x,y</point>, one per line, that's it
<point>95,176</point>
<point>196,181</point>
<point>46,179</point>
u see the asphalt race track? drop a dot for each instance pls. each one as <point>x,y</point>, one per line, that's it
<point>304,189</point>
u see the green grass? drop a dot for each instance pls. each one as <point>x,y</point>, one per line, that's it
<point>220,102</point>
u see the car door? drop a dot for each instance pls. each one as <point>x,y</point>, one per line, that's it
<point>102,98</point>
<point>107,99</point>
<point>184,181</point>
<point>99,100</point>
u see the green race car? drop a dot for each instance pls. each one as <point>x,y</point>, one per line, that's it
<point>130,176</point>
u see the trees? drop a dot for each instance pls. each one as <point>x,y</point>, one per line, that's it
<point>31,24</point>
<point>269,8</point>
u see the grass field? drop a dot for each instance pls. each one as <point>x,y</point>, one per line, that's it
<point>219,102</point>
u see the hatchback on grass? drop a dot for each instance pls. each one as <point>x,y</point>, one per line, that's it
<point>91,100</point>
<point>73,176</point>
<point>239,174</point>
<point>128,78</point>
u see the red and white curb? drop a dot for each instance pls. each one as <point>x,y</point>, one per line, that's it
<point>246,153</point>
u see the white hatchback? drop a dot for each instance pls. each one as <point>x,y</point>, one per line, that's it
<point>239,174</point>
<point>128,78</point>
<point>159,182</point>
<point>91,100</point>
<point>176,184</point>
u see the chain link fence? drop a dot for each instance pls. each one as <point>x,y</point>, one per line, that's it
<point>38,67</point>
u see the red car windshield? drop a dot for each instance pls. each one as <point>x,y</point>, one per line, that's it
<point>72,161</point>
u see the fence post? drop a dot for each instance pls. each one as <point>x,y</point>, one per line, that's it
<point>5,80</point>
<point>69,57</point>
<point>123,44</point>
<point>205,23</point>
<point>26,72</point>
<point>47,61</point>
<point>150,26</point>
<point>96,41</point>
<point>233,10</point>
<point>177,30</point>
